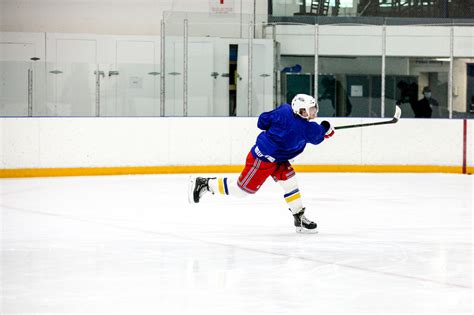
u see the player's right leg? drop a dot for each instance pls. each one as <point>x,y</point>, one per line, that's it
<point>285,176</point>
<point>303,224</point>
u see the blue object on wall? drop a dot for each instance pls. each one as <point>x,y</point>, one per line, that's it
<point>294,69</point>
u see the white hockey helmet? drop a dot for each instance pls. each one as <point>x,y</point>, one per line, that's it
<point>303,101</point>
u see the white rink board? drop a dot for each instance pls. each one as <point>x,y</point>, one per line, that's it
<point>116,142</point>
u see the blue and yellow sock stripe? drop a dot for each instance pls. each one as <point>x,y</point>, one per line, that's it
<point>222,184</point>
<point>292,195</point>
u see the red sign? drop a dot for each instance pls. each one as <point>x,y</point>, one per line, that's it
<point>221,7</point>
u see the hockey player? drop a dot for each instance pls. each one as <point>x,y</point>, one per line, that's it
<point>286,131</point>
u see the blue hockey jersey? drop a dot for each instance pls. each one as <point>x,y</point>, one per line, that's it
<point>284,135</point>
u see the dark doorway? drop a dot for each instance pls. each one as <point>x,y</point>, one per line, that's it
<point>233,51</point>
<point>470,88</point>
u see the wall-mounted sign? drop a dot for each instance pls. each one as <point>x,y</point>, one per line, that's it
<point>221,7</point>
<point>357,91</point>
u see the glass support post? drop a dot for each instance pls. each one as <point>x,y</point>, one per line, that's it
<point>450,74</point>
<point>316,60</point>
<point>382,88</point>
<point>30,92</point>
<point>185,69</point>
<point>162,69</point>
<point>250,69</point>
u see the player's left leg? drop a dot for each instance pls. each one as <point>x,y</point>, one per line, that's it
<point>286,177</point>
<point>198,186</point>
<point>249,182</point>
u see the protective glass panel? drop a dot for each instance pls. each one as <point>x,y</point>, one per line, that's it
<point>418,85</point>
<point>135,91</point>
<point>262,77</point>
<point>72,89</point>
<point>295,72</point>
<point>15,87</point>
<point>351,85</point>
<point>202,78</point>
<point>362,8</point>
<point>311,8</point>
<point>463,88</point>
<point>174,68</point>
<point>221,74</point>
<point>255,96</point>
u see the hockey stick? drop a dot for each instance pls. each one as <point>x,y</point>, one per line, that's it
<point>396,117</point>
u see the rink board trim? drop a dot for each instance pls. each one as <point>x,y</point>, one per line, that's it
<point>53,172</point>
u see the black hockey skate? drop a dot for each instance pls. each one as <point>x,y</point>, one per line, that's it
<point>198,186</point>
<point>303,224</point>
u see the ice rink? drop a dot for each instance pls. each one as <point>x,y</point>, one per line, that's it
<point>387,244</point>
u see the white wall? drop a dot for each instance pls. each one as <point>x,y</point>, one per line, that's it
<point>119,142</point>
<point>364,40</point>
<point>138,17</point>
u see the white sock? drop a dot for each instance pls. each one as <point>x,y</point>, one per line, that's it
<point>292,194</point>
<point>226,186</point>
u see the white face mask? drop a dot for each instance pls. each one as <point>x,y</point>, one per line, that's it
<point>427,94</point>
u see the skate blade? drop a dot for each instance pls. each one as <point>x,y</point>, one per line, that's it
<point>192,181</point>
<point>302,230</point>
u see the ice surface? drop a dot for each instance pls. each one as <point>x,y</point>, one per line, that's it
<point>387,243</point>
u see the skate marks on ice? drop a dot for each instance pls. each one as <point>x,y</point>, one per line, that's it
<point>135,244</point>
